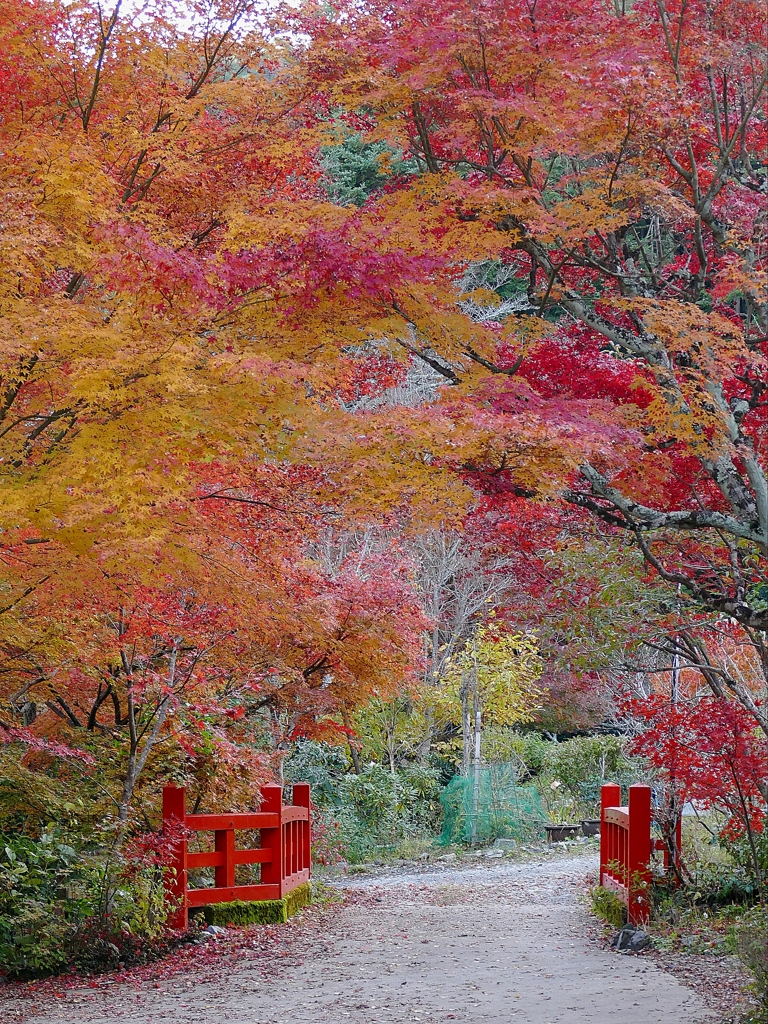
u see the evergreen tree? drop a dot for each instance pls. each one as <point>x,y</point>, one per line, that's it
<point>355,169</point>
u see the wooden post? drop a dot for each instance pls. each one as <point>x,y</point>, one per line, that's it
<point>272,838</point>
<point>224,843</point>
<point>288,849</point>
<point>301,798</point>
<point>175,814</point>
<point>610,796</point>
<point>639,855</point>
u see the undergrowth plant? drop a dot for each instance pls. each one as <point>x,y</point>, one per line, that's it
<point>751,941</point>
<point>369,814</point>
<point>65,905</point>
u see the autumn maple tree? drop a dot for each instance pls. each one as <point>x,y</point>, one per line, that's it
<point>168,447</point>
<point>707,750</point>
<point>292,295</point>
<point>613,158</point>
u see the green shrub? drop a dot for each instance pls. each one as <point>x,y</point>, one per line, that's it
<point>577,767</point>
<point>64,906</point>
<point>321,765</point>
<point>369,814</point>
<point>526,750</point>
<point>38,900</point>
<point>378,809</point>
<point>240,914</point>
<point>751,857</point>
<point>606,904</point>
<point>585,763</point>
<point>751,942</point>
<point>725,887</point>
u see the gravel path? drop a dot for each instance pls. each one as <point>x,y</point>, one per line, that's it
<point>503,943</point>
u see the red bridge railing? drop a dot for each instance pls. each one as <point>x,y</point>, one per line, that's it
<point>284,854</point>
<point>625,848</point>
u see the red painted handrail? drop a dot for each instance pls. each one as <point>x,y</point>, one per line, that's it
<point>284,853</point>
<point>625,848</point>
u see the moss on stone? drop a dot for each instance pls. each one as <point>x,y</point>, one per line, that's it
<point>298,898</point>
<point>240,914</point>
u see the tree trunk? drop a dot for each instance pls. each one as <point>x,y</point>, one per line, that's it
<point>476,738</point>
<point>354,753</point>
<point>137,756</point>
<point>424,747</point>
<point>478,723</point>
<point>466,724</point>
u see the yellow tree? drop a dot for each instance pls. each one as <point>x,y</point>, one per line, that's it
<point>492,682</point>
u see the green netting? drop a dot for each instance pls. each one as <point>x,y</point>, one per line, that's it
<point>488,804</point>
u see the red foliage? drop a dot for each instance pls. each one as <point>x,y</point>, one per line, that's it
<point>574,363</point>
<point>710,750</point>
<point>40,745</point>
<point>152,849</point>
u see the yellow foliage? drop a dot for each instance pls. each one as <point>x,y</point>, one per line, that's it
<point>506,667</point>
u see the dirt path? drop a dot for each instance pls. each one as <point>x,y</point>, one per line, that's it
<point>503,944</point>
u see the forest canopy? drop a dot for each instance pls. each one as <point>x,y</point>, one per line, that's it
<point>340,339</point>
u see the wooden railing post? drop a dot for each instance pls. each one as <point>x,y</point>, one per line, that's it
<point>174,815</point>
<point>224,843</point>
<point>301,798</point>
<point>610,796</point>
<point>272,838</point>
<point>639,855</point>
